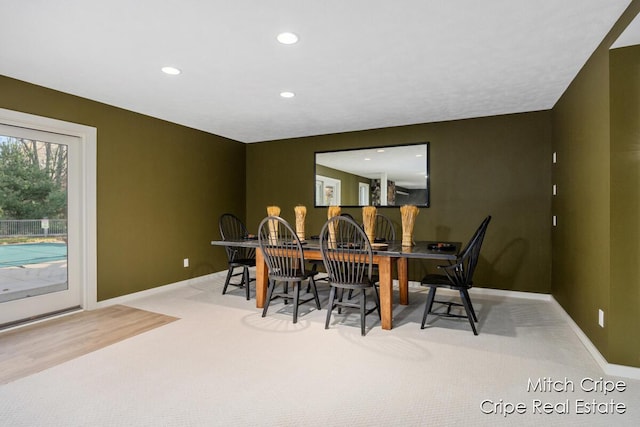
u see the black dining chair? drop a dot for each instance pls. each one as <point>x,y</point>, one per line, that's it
<point>384,230</point>
<point>348,260</point>
<point>283,254</point>
<point>318,263</point>
<point>457,276</point>
<point>232,228</point>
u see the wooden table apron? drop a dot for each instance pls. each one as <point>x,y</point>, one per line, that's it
<point>383,259</point>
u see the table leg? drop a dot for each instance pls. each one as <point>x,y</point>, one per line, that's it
<point>386,292</point>
<point>403,280</point>
<point>262,279</point>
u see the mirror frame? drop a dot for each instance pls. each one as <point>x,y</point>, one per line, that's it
<point>426,204</point>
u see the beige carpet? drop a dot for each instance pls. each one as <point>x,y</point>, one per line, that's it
<point>223,364</point>
<point>34,348</point>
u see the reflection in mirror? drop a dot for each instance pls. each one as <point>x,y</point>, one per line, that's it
<point>376,176</point>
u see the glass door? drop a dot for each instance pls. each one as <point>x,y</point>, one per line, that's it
<point>39,207</point>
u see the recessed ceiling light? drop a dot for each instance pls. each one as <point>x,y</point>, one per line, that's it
<point>380,150</point>
<point>171,71</point>
<point>287,94</point>
<point>287,38</point>
<point>367,158</point>
<point>418,155</point>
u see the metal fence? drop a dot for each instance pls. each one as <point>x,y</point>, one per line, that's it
<point>33,227</point>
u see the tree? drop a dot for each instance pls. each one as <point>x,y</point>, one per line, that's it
<point>32,187</point>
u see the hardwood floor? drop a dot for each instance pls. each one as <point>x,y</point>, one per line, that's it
<point>34,348</point>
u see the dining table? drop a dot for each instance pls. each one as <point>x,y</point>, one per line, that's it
<point>384,256</point>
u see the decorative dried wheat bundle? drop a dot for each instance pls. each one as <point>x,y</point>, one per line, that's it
<point>273,225</point>
<point>369,221</point>
<point>408,213</point>
<point>333,211</point>
<point>273,210</point>
<point>301,213</point>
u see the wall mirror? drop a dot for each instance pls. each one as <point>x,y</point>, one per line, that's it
<point>377,176</point>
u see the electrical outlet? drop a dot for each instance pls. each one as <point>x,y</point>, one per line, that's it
<point>601,318</point>
<point>185,262</point>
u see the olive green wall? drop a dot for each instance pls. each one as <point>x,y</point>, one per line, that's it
<point>495,165</point>
<point>160,189</point>
<point>624,340</point>
<point>585,264</point>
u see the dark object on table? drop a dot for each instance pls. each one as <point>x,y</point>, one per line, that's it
<point>349,245</point>
<point>441,247</point>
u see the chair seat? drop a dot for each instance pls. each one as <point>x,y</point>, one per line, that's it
<point>243,262</point>
<point>294,278</point>
<point>352,286</point>
<point>442,281</point>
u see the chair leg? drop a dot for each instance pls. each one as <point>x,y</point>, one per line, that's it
<point>469,310</point>
<point>227,280</point>
<point>428,305</point>
<point>296,298</point>
<point>272,284</point>
<point>332,296</point>
<point>314,289</point>
<point>363,311</point>
<point>314,268</point>
<point>466,294</point>
<point>340,296</point>
<point>245,279</point>
<point>377,300</point>
<point>241,284</point>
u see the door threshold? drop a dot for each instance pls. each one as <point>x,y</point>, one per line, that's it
<point>39,318</point>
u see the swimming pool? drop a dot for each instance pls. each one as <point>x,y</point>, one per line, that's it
<point>31,253</point>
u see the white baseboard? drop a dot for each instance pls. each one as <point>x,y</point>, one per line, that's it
<point>608,368</point>
<point>491,292</point>
<point>510,294</point>
<point>136,295</point>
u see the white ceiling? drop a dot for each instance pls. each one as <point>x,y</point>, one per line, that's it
<point>359,64</point>
<point>406,165</point>
<point>630,36</point>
